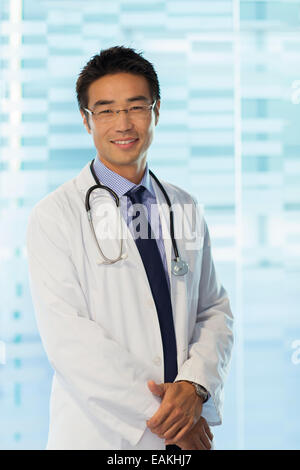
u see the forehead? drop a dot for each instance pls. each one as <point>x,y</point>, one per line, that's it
<point>118,87</point>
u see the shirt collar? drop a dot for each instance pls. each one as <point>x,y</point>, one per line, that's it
<point>117,182</point>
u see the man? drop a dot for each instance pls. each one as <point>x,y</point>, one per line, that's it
<point>139,336</point>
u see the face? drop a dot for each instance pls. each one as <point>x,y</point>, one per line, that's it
<point>121,90</point>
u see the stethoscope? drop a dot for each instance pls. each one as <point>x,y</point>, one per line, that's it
<point>178,266</point>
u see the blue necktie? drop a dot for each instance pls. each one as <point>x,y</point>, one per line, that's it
<point>154,268</point>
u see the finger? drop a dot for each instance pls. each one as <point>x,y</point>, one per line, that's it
<point>179,432</point>
<point>193,443</point>
<point>160,416</point>
<point>174,428</point>
<point>199,444</point>
<point>168,442</point>
<point>163,430</point>
<point>205,439</point>
<point>156,389</point>
<point>207,430</point>
<point>190,446</point>
<point>172,423</point>
<point>175,421</point>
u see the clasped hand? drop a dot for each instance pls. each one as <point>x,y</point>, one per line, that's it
<point>178,418</point>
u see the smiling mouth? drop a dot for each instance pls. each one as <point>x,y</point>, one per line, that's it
<point>125,143</point>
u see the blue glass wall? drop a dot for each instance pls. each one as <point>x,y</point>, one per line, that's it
<point>228,133</point>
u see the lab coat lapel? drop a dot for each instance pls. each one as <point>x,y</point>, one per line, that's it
<point>177,283</point>
<point>164,216</point>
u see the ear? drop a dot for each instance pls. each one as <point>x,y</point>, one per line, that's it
<point>156,111</point>
<point>85,121</point>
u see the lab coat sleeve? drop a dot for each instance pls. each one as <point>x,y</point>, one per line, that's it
<point>108,382</point>
<point>209,350</point>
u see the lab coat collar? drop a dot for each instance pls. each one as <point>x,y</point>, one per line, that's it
<point>84,180</point>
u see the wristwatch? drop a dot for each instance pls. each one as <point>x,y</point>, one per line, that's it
<point>201,392</point>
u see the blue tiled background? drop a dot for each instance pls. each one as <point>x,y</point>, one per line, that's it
<point>228,133</point>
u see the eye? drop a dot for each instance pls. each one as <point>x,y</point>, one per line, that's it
<point>105,111</point>
<point>136,108</point>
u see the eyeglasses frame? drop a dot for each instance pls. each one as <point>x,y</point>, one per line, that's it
<point>117,111</point>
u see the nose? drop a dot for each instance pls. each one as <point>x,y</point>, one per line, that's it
<point>123,122</point>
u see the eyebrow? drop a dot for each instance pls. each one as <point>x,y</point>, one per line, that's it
<point>130,100</point>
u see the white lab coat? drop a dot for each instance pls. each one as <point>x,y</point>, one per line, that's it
<point>99,324</point>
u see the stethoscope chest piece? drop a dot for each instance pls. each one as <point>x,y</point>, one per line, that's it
<point>179,267</point>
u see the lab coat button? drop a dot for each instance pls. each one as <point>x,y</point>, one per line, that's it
<point>157,361</point>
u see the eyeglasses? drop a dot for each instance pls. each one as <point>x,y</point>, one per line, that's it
<point>107,115</point>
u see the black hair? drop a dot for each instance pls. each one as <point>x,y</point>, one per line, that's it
<point>115,60</point>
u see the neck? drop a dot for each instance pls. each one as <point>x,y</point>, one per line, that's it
<point>133,172</point>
